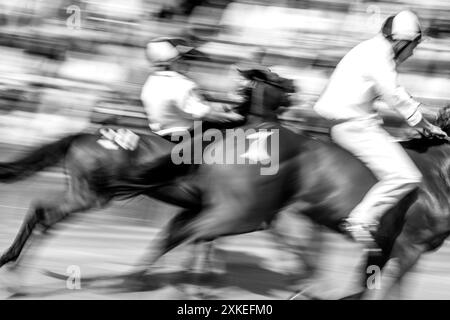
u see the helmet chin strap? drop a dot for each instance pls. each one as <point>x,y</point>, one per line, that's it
<point>399,46</point>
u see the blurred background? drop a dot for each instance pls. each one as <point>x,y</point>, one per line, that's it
<point>66,65</point>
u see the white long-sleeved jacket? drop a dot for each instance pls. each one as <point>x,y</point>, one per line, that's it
<point>171,101</point>
<point>366,73</point>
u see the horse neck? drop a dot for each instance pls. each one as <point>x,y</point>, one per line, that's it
<point>263,104</point>
<point>432,158</point>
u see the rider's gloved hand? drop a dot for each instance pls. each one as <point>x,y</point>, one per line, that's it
<point>430,130</point>
<point>232,116</point>
<point>435,131</point>
<point>222,117</point>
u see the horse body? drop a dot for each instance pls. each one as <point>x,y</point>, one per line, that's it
<point>223,200</point>
<point>327,182</point>
<point>237,199</point>
<point>333,181</point>
<point>95,174</point>
<point>426,215</point>
<point>417,224</point>
<point>432,207</point>
<point>100,174</point>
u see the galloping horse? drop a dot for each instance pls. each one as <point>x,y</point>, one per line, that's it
<point>228,199</point>
<point>326,182</point>
<point>99,174</point>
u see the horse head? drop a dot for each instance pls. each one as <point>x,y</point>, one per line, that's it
<point>266,91</point>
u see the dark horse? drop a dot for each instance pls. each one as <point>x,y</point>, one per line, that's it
<point>228,199</point>
<point>99,174</point>
<point>326,182</point>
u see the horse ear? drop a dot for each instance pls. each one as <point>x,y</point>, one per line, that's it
<point>258,74</point>
<point>253,73</point>
<point>245,73</point>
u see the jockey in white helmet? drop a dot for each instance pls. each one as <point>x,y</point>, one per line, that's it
<point>172,100</point>
<point>366,73</point>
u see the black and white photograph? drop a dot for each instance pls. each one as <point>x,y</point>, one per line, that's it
<point>247,151</point>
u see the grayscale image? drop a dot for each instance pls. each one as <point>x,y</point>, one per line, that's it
<point>224,150</point>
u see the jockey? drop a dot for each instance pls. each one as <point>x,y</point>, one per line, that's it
<point>366,73</point>
<point>172,100</point>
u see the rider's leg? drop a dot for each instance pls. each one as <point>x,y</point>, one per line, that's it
<point>397,174</point>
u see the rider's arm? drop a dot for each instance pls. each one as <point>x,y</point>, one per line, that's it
<point>394,95</point>
<point>194,105</point>
<point>197,108</point>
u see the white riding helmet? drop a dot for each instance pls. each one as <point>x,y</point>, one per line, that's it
<point>166,50</point>
<point>406,26</point>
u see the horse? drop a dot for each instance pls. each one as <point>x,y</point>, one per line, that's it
<point>326,182</point>
<point>100,171</point>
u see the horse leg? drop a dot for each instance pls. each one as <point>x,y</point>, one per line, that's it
<point>167,239</point>
<point>191,264</point>
<point>203,262</point>
<point>312,250</point>
<point>405,255</point>
<point>282,244</point>
<point>202,265</point>
<point>25,231</point>
<point>308,252</point>
<point>44,215</point>
<point>213,264</point>
<point>48,214</point>
<point>202,258</point>
<point>371,274</point>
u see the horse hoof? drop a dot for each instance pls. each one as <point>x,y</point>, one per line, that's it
<point>11,281</point>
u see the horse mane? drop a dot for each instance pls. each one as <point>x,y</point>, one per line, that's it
<point>264,93</point>
<point>422,144</point>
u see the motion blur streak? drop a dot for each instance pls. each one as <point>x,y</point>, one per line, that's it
<point>71,65</point>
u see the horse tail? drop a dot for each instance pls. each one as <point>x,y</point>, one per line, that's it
<point>36,160</point>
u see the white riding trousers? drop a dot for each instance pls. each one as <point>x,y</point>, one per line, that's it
<point>396,172</point>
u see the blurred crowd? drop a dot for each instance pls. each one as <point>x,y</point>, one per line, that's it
<point>66,64</point>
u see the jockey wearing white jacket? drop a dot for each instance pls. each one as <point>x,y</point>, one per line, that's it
<point>171,100</point>
<point>366,73</point>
